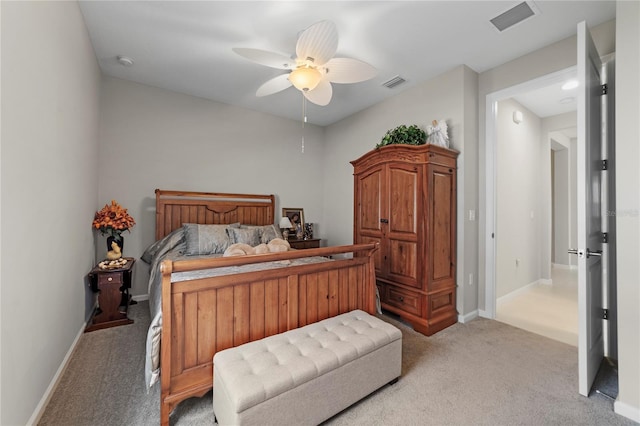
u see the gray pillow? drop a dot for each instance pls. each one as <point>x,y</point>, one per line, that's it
<point>249,236</point>
<point>267,232</point>
<point>206,239</point>
<point>172,239</point>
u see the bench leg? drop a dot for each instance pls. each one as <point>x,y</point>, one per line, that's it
<point>394,381</point>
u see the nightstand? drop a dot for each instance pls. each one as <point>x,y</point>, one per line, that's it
<point>304,244</point>
<point>112,286</point>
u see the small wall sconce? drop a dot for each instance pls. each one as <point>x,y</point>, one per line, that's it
<point>517,117</point>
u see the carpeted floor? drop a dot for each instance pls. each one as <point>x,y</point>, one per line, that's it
<point>480,373</point>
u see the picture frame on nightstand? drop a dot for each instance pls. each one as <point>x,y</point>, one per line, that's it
<point>296,216</point>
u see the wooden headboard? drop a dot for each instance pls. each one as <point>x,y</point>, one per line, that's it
<point>173,208</point>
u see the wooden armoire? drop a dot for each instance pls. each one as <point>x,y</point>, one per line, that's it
<point>405,200</point>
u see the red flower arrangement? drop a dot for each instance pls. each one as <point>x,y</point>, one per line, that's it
<point>112,220</point>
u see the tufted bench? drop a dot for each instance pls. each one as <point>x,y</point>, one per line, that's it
<point>305,376</point>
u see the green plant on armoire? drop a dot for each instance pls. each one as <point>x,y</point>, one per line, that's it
<point>411,135</point>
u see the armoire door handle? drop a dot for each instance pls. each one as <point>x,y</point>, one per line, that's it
<point>384,220</point>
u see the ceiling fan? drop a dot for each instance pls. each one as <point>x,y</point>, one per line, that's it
<point>313,68</point>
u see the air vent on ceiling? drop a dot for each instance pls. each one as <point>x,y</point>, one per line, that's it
<point>394,82</point>
<point>513,16</point>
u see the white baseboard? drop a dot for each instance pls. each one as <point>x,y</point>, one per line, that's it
<point>563,266</point>
<point>627,410</point>
<point>140,297</point>
<point>516,292</point>
<point>468,317</point>
<point>39,411</point>
<point>483,314</point>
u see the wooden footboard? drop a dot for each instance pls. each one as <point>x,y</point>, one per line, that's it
<point>203,316</point>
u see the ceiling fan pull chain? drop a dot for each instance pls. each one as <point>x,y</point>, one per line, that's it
<point>304,119</point>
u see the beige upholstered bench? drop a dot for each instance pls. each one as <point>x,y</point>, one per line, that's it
<point>307,375</point>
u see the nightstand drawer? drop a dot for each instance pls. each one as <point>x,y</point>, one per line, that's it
<point>110,278</point>
<point>304,244</point>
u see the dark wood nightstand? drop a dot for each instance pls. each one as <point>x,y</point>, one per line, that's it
<point>112,286</point>
<point>304,244</point>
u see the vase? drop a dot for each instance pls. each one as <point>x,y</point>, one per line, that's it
<point>308,231</point>
<point>120,243</point>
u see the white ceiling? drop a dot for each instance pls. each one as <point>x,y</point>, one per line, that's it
<point>550,100</point>
<point>186,46</point>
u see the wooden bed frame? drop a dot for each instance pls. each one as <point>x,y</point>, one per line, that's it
<point>203,316</point>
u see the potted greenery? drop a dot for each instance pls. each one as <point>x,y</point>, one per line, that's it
<point>412,135</point>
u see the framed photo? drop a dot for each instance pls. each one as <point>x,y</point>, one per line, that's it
<point>296,216</point>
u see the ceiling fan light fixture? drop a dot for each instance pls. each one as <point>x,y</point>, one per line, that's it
<point>305,78</point>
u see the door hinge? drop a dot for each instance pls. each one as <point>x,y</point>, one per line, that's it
<point>605,314</point>
<point>604,89</point>
<point>605,237</point>
<point>605,165</point>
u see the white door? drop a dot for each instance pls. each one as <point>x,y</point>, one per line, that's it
<point>590,335</point>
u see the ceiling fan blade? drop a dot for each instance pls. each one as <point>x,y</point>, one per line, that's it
<point>264,57</point>
<point>321,95</point>
<point>318,42</point>
<point>347,70</point>
<point>275,85</point>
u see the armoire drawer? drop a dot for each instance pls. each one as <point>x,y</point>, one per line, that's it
<point>406,300</point>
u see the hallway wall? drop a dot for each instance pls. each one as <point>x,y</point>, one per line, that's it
<point>518,198</point>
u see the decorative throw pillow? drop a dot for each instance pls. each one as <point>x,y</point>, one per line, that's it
<point>278,245</point>
<point>267,232</point>
<point>206,239</point>
<point>249,236</point>
<point>238,249</point>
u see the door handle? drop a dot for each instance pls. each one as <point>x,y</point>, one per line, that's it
<point>384,220</point>
<point>597,253</point>
<point>589,253</point>
<point>580,253</point>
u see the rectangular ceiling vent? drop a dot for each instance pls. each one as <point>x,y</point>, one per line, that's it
<point>513,16</point>
<point>394,82</point>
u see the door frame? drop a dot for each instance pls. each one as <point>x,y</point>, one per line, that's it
<point>491,116</point>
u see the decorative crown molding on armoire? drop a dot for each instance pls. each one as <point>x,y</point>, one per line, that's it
<point>405,200</point>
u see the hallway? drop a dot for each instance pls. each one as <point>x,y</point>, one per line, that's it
<point>548,310</point>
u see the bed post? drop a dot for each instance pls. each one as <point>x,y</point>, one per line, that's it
<point>371,283</point>
<point>165,349</point>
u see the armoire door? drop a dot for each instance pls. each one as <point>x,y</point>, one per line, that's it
<point>404,183</point>
<point>441,222</point>
<point>370,210</point>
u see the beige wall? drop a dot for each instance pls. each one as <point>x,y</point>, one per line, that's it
<point>628,206</point>
<point>153,138</point>
<point>468,188</point>
<point>50,96</point>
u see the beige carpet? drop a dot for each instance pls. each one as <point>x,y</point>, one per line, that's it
<point>480,373</point>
